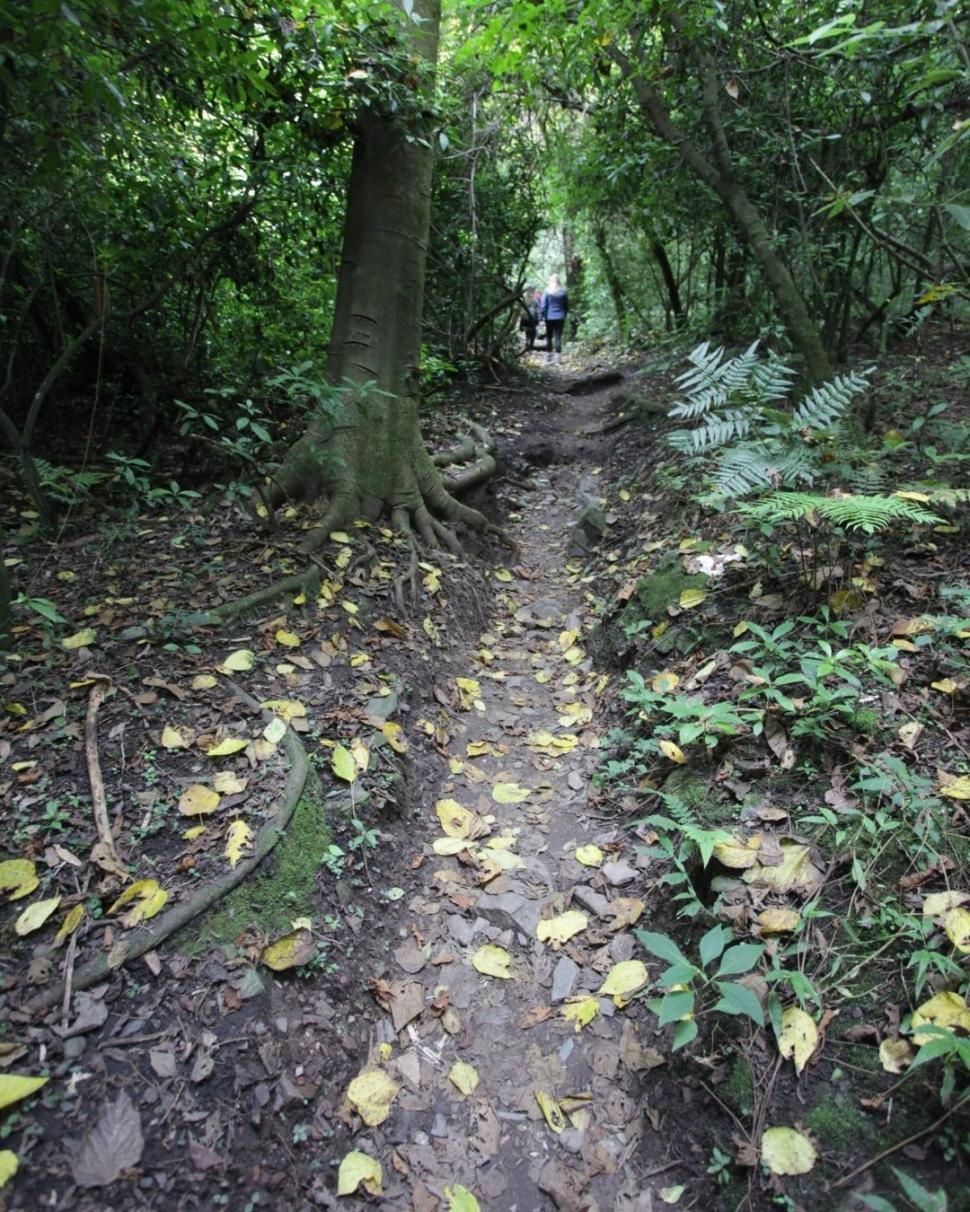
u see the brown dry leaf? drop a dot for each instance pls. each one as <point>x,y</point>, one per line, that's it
<point>113,1145</point>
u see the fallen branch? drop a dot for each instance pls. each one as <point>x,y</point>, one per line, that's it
<point>103,853</point>
<point>151,935</point>
<point>901,1144</point>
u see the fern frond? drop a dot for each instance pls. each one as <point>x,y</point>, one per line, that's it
<point>828,403</point>
<point>716,431</point>
<point>870,514</point>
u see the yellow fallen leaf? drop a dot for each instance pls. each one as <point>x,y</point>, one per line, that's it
<point>460,1199</point>
<point>464,1076</point>
<point>738,853</point>
<point>589,856</point>
<point>690,598</point>
<point>469,690</point>
<point>360,754</point>
<point>787,1151</point>
<point>72,920</point>
<point>240,661</point>
<point>173,738</point>
<point>509,793</point>
<point>502,574</point>
<point>15,1086</point>
<point>947,1010</point>
<point>938,904</point>
<point>8,1166</point>
<point>559,930</point>
<point>623,980</point>
<point>191,834</point>
<point>456,820</point>
<point>80,639</point>
<point>358,1169</point>
<point>956,788</point>
<point>286,709</point>
<point>272,734</point>
<point>572,656</point>
<point>238,841</point>
<point>664,682</point>
<point>290,950</point>
<point>18,878</point>
<point>492,960</point>
<point>340,536</point>
<point>342,764</point>
<point>149,898</point>
<point>895,1055</point>
<point>625,911</point>
<point>395,736</point>
<point>672,751</point>
<point>478,748</point>
<point>798,1038</point>
<point>288,639</point>
<point>34,916</point>
<point>371,1094</point>
<point>795,873</point>
<point>778,921</point>
<point>228,783</point>
<point>581,1010</point>
<point>551,1111</point>
<point>445,846</point>
<point>204,681</point>
<point>231,745</point>
<point>946,686</point>
<point>910,733</point>
<point>198,800</point>
<point>957,927</point>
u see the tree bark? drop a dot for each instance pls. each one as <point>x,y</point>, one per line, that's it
<point>372,460</point>
<point>612,278</point>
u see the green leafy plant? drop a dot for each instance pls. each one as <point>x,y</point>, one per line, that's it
<point>845,511</point>
<point>916,1195</point>
<point>703,988</point>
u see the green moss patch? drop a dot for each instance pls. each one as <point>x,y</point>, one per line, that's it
<point>281,888</point>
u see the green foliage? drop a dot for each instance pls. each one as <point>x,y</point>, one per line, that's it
<point>735,404</point>
<point>847,511</point>
<point>917,1196</point>
<point>699,984</point>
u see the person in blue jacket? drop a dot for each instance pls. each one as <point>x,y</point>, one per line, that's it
<point>554,308</point>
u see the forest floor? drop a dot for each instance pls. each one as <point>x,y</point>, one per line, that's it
<point>438,969</point>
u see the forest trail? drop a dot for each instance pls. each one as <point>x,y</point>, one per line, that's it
<point>531,722</point>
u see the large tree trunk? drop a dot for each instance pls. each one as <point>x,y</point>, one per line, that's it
<point>373,461</point>
<point>717,172</point>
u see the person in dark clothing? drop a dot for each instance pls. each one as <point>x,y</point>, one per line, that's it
<point>554,308</point>
<point>530,321</point>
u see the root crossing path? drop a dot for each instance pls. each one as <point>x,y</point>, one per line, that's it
<point>520,1081</point>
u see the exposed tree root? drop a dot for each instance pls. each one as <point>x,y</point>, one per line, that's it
<point>151,935</point>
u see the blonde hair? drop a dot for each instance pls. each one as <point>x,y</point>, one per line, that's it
<point>554,283</point>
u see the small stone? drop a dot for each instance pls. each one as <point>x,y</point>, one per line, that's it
<point>595,902</point>
<point>619,873</point>
<point>571,1140</point>
<point>74,1046</point>
<point>564,977</point>
<point>621,948</point>
<point>439,1127</point>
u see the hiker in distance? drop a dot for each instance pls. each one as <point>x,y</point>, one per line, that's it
<point>553,309</point>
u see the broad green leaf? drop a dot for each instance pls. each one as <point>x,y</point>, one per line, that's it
<point>740,958</point>
<point>676,1006</point>
<point>738,999</point>
<point>712,944</point>
<point>662,947</point>
<point>683,1034</point>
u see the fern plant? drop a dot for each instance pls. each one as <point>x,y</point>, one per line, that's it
<point>735,405</point>
<point>849,511</point>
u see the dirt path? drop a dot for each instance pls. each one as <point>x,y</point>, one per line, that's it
<point>532,724</point>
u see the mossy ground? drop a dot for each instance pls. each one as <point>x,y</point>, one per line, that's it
<point>281,888</point>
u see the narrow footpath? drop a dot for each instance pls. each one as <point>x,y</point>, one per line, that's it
<point>523,1078</point>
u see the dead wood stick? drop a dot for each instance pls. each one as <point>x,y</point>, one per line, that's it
<point>148,937</point>
<point>104,853</point>
<point>901,1144</point>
